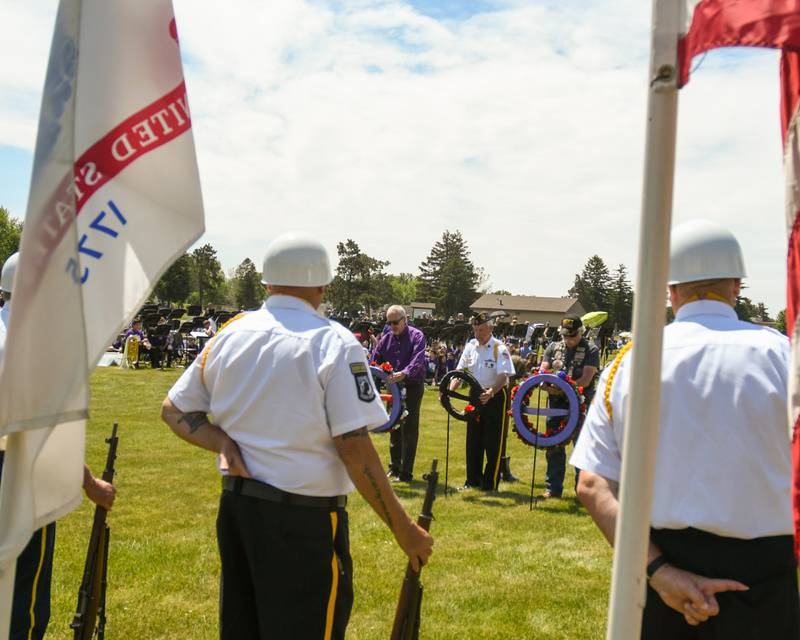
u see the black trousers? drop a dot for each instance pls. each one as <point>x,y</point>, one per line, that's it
<point>286,571</point>
<point>30,606</point>
<point>485,437</point>
<point>403,441</point>
<point>769,610</point>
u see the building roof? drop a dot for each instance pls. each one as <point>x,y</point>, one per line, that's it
<point>524,303</point>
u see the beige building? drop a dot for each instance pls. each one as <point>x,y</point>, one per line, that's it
<point>529,308</point>
<point>418,309</point>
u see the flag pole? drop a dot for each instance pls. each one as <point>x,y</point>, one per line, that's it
<point>639,450</point>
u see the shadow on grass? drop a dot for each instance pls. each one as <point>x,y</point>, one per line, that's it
<point>566,506</point>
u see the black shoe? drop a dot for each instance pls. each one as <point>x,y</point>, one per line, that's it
<point>467,486</point>
<point>391,473</point>
<point>403,479</point>
<point>505,471</point>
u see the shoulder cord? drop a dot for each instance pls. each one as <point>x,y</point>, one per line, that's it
<point>207,348</point>
<point>612,374</point>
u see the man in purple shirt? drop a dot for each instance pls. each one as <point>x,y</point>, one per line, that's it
<point>404,348</point>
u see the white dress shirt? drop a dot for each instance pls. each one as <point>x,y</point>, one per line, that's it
<point>487,361</point>
<point>723,460</point>
<point>282,382</point>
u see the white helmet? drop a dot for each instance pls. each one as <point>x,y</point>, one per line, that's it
<point>704,250</point>
<point>296,260</point>
<point>7,275</point>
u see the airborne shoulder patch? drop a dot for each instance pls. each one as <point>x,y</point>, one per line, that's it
<point>364,388</point>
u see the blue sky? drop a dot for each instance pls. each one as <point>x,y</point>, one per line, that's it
<point>519,122</point>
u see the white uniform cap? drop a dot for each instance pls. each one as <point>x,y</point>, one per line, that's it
<point>296,260</point>
<point>704,250</point>
<point>7,275</point>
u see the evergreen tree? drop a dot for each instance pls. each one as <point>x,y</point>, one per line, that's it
<point>593,285</point>
<point>10,234</point>
<point>248,291</point>
<point>780,321</point>
<point>360,285</point>
<point>620,298</point>
<point>176,283</point>
<point>448,276</point>
<point>207,274</point>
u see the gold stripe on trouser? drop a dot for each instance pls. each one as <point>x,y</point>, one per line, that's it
<point>36,582</point>
<point>334,581</point>
<point>502,435</point>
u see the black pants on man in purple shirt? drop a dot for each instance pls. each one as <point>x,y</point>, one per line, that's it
<point>403,441</point>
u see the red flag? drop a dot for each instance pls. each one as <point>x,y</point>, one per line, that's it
<point>790,106</point>
<point>711,24</point>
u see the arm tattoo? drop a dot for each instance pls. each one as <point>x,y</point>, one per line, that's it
<point>195,420</point>
<point>378,495</point>
<point>358,433</point>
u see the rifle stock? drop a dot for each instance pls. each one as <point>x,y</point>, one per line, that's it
<point>92,592</point>
<point>409,606</point>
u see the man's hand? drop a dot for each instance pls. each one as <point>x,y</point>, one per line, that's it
<point>396,377</point>
<point>416,543</point>
<point>366,471</point>
<point>99,491</point>
<point>486,395</point>
<point>230,459</point>
<point>690,594</point>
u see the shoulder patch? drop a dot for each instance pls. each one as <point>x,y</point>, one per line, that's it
<point>363,380</point>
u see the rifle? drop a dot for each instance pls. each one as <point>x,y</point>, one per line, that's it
<point>409,606</point>
<point>92,593</point>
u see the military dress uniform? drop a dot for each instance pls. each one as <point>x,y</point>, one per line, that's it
<point>30,608</point>
<point>485,430</point>
<point>721,494</point>
<point>572,361</point>
<point>283,382</point>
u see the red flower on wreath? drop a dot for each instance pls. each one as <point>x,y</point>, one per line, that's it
<point>469,409</point>
<point>387,367</point>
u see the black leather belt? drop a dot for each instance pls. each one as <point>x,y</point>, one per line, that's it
<point>255,489</point>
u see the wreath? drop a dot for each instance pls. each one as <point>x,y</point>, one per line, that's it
<point>473,406</point>
<point>571,417</point>
<point>393,398</point>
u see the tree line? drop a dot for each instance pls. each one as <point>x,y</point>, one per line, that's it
<point>447,277</point>
<point>599,289</point>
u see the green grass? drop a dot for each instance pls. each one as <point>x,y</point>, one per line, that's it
<point>498,571</point>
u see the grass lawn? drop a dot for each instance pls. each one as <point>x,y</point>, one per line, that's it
<point>498,571</point>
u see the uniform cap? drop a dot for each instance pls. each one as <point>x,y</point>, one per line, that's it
<point>480,318</point>
<point>570,325</point>
<point>296,260</point>
<point>7,275</point>
<point>704,250</point>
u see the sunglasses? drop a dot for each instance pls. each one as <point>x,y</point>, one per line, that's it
<point>395,322</point>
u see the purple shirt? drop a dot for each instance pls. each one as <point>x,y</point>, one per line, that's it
<point>406,353</point>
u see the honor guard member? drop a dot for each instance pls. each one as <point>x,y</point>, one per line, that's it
<point>291,398</point>
<point>30,606</point>
<point>721,561</point>
<point>488,359</point>
<point>580,360</point>
<point>404,348</point>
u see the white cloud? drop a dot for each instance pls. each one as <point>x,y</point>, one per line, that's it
<point>523,127</point>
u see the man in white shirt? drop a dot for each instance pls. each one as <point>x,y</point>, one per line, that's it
<point>721,561</point>
<point>489,360</point>
<point>292,399</point>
